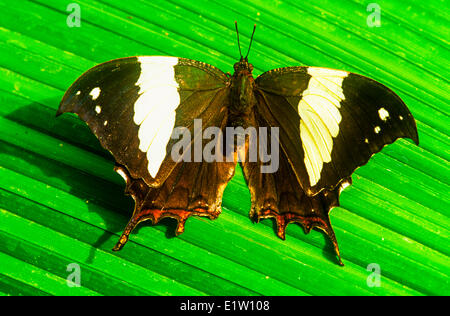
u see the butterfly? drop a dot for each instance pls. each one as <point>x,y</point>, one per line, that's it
<point>320,124</point>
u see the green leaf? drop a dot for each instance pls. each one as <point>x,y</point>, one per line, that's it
<point>62,203</point>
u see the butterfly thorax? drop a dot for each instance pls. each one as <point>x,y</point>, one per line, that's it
<point>242,97</point>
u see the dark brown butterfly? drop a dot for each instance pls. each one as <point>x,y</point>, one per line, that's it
<point>325,123</point>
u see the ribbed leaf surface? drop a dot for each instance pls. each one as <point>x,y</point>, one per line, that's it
<point>62,203</point>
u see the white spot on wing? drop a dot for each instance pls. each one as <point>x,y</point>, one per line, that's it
<point>78,92</point>
<point>154,110</point>
<point>95,93</point>
<point>98,109</point>
<point>377,129</point>
<point>384,115</point>
<point>122,174</point>
<point>343,186</point>
<point>320,118</point>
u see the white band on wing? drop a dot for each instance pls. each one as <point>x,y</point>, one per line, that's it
<point>320,118</point>
<point>154,110</point>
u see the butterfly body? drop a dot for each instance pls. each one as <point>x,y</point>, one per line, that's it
<point>242,94</point>
<point>320,124</point>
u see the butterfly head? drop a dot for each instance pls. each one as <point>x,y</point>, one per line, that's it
<point>243,66</point>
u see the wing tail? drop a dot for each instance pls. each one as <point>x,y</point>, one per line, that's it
<point>278,195</point>
<point>192,189</point>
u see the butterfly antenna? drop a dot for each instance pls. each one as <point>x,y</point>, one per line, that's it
<point>251,40</point>
<point>239,44</point>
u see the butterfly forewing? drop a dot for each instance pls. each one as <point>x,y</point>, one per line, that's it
<point>133,104</point>
<point>330,121</point>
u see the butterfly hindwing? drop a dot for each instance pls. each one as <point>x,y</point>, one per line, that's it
<point>279,195</point>
<point>331,121</point>
<point>192,188</point>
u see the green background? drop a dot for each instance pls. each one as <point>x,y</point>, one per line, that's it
<point>61,202</point>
